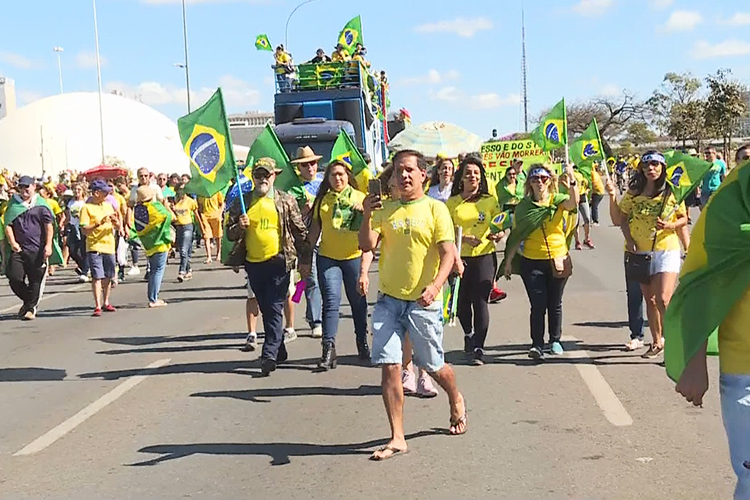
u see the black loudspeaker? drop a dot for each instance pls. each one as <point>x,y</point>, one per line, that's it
<point>394,127</point>
<point>286,113</point>
<point>349,110</point>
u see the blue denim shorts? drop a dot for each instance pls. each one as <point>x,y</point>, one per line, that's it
<point>393,319</point>
<point>735,410</point>
<point>102,265</point>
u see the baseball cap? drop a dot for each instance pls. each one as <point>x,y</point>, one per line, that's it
<point>25,180</point>
<point>267,164</point>
<point>100,185</point>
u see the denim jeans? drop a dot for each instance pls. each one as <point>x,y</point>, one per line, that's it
<point>735,410</point>
<point>157,264</point>
<point>282,81</point>
<point>313,298</point>
<point>135,250</point>
<point>635,308</point>
<point>331,275</point>
<point>270,282</point>
<point>596,199</point>
<point>77,244</point>
<point>185,246</point>
<point>545,295</point>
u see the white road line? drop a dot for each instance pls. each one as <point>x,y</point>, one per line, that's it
<point>605,397</point>
<point>56,433</point>
<point>45,297</point>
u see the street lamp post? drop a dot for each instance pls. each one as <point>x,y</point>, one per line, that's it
<point>99,80</point>
<point>286,29</point>
<point>186,64</point>
<point>58,51</point>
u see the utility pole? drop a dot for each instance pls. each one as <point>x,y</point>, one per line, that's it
<point>523,59</point>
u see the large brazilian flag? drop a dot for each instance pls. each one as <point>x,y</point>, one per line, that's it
<point>684,173</point>
<point>715,275</point>
<point>153,225</point>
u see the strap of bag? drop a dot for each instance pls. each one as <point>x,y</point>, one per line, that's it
<point>666,193</point>
<point>549,253</point>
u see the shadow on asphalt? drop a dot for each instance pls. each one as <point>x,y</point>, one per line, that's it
<point>190,348</point>
<point>280,453</point>
<point>161,339</point>
<point>257,395</point>
<point>203,298</point>
<point>31,374</point>
<point>244,367</point>
<point>178,288</point>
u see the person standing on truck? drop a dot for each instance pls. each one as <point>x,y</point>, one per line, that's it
<point>340,54</point>
<point>306,163</point>
<point>320,57</point>
<point>283,67</point>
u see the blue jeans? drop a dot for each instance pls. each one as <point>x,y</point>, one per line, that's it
<point>157,264</point>
<point>635,308</point>
<point>313,298</point>
<point>735,410</point>
<point>270,282</point>
<point>331,275</point>
<point>185,245</point>
<point>282,81</point>
<point>77,245</point>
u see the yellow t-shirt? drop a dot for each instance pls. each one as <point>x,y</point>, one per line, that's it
<point>54,206</point>
<point>363,180</point>
<point>536,247</point>
<point>121,202</point>
<point>583,183</point>
<point>410,233</point>
<point>210,208</point>
<point>102,239</point>
<point>341,243</point>
<point>474,217</point>
<point>734,338</point>
<point>340,56</point>
<point>183,211</point>
<point>282,59</point>
<point>597,184</point>
<point>642,213</point>
<point>263,236</point>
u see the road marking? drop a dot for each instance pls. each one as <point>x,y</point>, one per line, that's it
<point>45,297</point>
<point>605,397</point>
<point>56,433</point>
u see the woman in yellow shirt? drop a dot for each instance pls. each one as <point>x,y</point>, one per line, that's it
<point>472,208</point>
<point>337,215</point>
<point>653,219</point>
<point>185,210</point>
<point>543,250</point>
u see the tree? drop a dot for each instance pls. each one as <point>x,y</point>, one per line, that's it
<point>676,108</point>
<point>639,133</point>
<point>725,106</point>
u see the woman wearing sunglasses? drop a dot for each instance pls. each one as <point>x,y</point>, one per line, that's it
<point>472,208</point>
<point>541,239</point>
<point>651,225</point>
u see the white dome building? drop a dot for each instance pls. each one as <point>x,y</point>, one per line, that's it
<point>62,133</point>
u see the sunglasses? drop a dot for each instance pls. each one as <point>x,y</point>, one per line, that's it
<point>258,174</point>
<point>654,163</point>
<point>539,178</point>
<point>310,163</point>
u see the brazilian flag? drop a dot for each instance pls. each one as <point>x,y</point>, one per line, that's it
<point>153,224</point>
<point>345,150</point>
<point>552,132</point>
<point>351,35</point>
<point>262,43</point>
<point>715,276</point>
<point>684,173</point>
<point>13,209</point>
<point>321,76</point>
<point>588,147</point>
<point>501,222</point>
<point>205,136</point>
<point>267,145</point>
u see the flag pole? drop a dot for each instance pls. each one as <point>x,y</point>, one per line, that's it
<point>239,189</point>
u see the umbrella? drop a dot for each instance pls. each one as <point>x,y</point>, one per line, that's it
<point>434,138</point>
<point>105,172</point>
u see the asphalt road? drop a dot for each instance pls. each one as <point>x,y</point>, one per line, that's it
<point>163,404</point>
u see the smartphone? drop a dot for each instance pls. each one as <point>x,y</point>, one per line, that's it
<point>374,188</point>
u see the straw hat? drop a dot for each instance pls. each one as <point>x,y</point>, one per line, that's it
<point>305,154</point>
<point>144,194</point>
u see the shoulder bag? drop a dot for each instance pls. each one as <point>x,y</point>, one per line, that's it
<point>638,265</point>
<point>562,267</point>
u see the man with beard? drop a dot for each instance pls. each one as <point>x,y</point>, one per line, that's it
<point>271,236</point>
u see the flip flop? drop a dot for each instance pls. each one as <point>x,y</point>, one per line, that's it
<point>394,451</point>
<point>463,419</point>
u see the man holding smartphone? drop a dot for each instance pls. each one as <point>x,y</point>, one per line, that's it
<point>417,254</point>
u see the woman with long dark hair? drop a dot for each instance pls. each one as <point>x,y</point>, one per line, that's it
<point>653,219</point>
<point>337,215</point>
<point>472,208</point>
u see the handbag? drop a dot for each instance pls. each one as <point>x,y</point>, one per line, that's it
<point>562,267</point>
<point>638,265</point>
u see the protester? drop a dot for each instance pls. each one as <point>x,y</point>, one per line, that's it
<point>472,208</point>
<point>269,238</point>
<point>144,179</point>
<point>415,261</point>
<point>652,218</point>
<point>597,193</point>
<point>584,211</point>
<point>186,211</point>
<point>337,216</point>
<point>441,179</point>
<point>99,221</point>
<point>340,54</point>
<point>28,233</point>
<point>283,67</point>
<point>510,189</point>
<point>545,263</point>
<point>320,57</point>
<point>76,240</point>
<point>210,210</point>
<point>712,180</point>
<point>152,223</point>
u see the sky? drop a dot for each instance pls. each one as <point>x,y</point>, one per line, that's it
<point>450,61</point>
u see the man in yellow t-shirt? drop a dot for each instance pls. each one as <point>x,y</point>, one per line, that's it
<point>271,236</point>
<point>211,209</point>
<point>417,254</point>
<point>185,209</point>
<point>282,68</point>
<point>99,222</point>
<point>340,54</point>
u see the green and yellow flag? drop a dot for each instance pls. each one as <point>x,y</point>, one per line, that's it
<point>552,132</point>
<point>205,136</point>
<point>716,273</point>
<point>588,147</point>
<point>262,43</point>
<point>14,209</point>
<point>345,150</point>
<point>267,145</point>
<point>351,35</point>
<point>153,225</point>
<point>684,173</point>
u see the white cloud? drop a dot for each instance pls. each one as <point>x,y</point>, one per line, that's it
<point>739,19</point>
<point>493,100</point>
<point>433,77</point>
<point>463,27</point>
<point>610,90</point>
<point>237,93</point>
<point>16,60</point>
<point>87,59</point>
<point>727,48</point>
<point>593,8</point>
<point>660,4</point>
<point>683,20</point>
<point>449,94</point>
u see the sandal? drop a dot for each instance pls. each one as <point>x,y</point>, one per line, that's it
<point>463,420</point>
<point>394,451</point>
<point>653,351</point>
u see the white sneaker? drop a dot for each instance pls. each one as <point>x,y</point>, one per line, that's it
<point>289,335</point>
<point>134,271</point>
<point>317,332</point>
<point>251,342</point>
<point>83,278</point>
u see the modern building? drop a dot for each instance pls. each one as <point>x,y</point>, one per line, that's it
<point>246,127</point>
<point>7,96</point>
